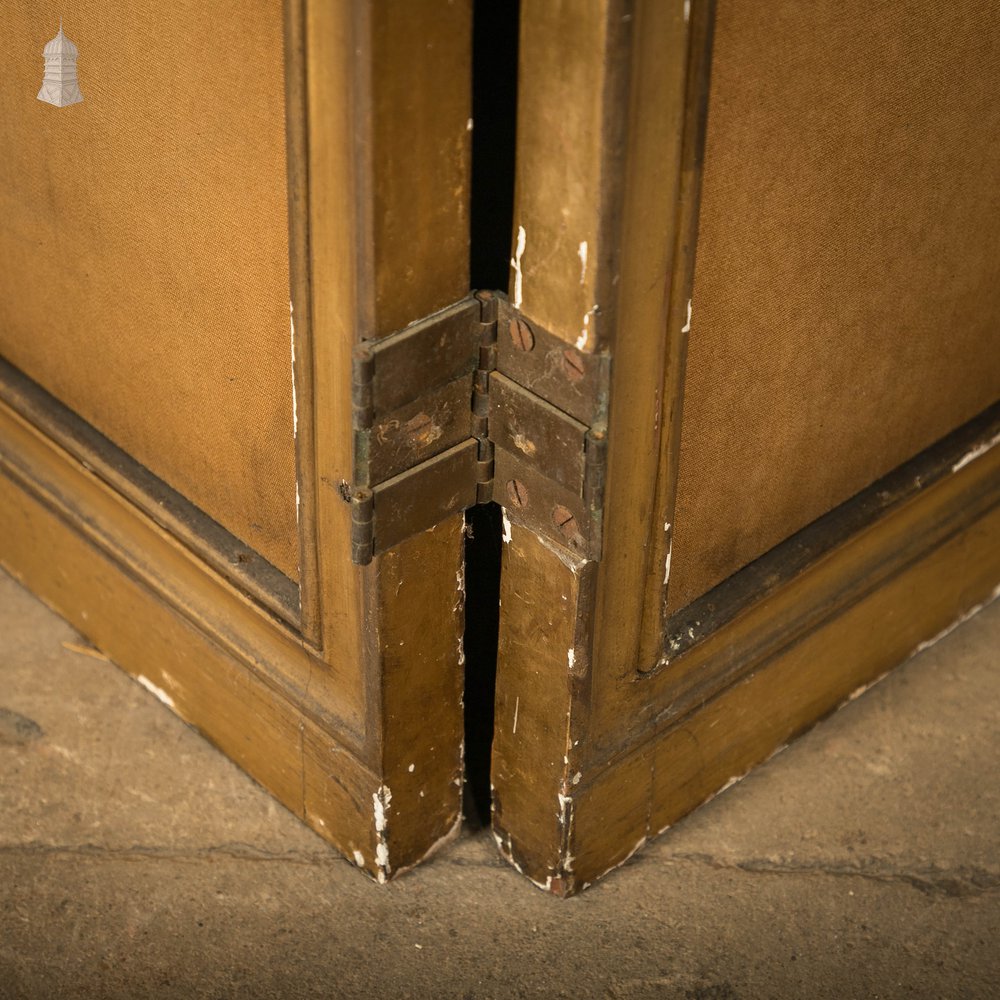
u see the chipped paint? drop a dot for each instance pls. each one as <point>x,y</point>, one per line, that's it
<point>506,528</point>
<point>381,800</point>
<point>670,549</point>
<point>565,804</point>
<point>686,328</point>
<point>469,125</point>
<point>582,254</point>
<point>291,327</point>
<point>359,859</point>
<point>507,852</point>
<point>576,778</point>
<point>524,444</point>
<point>382,860</point>
<point>412,768</point>
<point>570,657</point>
<point>522,239</point>
<point>961,620</point>
<point>975,453</point>
<point>517,706</point>
<point>581,341</point>
<point>295,405</point>
<point>157,692</point>
<point>436,846</point>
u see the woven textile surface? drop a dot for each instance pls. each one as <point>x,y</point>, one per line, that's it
<point>144,247</point>
<point>846,309</point>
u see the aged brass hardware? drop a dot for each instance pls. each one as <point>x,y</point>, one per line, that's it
<point>444,409</point>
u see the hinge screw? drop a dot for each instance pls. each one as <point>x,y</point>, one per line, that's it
<point>573,365</point>
<point>565,520</point>
<point>517,492</point>
<point>521,335</point>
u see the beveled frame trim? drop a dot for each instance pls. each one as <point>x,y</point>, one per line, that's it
<point>594,748</point>
<point>328,717</point>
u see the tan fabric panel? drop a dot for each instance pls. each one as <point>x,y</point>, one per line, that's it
<point>846,307</point>
<point>144,247</point>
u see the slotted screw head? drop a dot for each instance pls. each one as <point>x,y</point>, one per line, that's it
<point>521,335</point>
<point>572,364</point>
<point>517,492</point>
<point>565,520</point>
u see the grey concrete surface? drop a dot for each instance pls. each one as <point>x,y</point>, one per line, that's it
<point>136,861</point>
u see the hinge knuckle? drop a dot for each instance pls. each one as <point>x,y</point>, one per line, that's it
<point>485,464</point>
<point>595,465</point>
<point>362,525</point>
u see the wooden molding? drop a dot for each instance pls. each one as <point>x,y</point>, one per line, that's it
<point>343,698</point>
<point>633,765</point>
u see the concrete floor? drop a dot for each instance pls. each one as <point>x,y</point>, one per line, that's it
<point>136,861</point>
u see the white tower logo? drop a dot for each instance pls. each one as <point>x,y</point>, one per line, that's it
<point>59,86</point>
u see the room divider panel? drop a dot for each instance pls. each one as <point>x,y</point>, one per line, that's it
<point>776,226</point>
<point>189,258</point>
<point>738,402</point>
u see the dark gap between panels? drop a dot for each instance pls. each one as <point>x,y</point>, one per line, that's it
<point>494,133</point>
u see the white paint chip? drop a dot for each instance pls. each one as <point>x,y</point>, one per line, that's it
<point>975,453</point>
<point>382,860</point>
<point>359,859</point>
<point>506,529</point>
<point>961,620</point>
<point>517,706</point>
<point>381,800</point>
<point>581,341</point>
<point>412,768</point>
<point>582,254</point>
<point>157,692</point>
<point>570,657</point>
<point>522,239</point>
<point>686,328</point>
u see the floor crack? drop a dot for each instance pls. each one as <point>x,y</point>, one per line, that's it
<point>930,880</point>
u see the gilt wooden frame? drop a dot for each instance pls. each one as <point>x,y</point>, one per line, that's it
<point>329,704</point>
<point>606,730</point>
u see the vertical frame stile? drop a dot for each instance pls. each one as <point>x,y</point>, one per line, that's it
<point>334,205</point>
<point>300,311</point>
<point>595,749</point>
<point>679,323</point>
<point>389,87</point>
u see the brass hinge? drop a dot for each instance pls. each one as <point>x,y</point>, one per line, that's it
<point>470,405</point>
<point>547,421</point>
